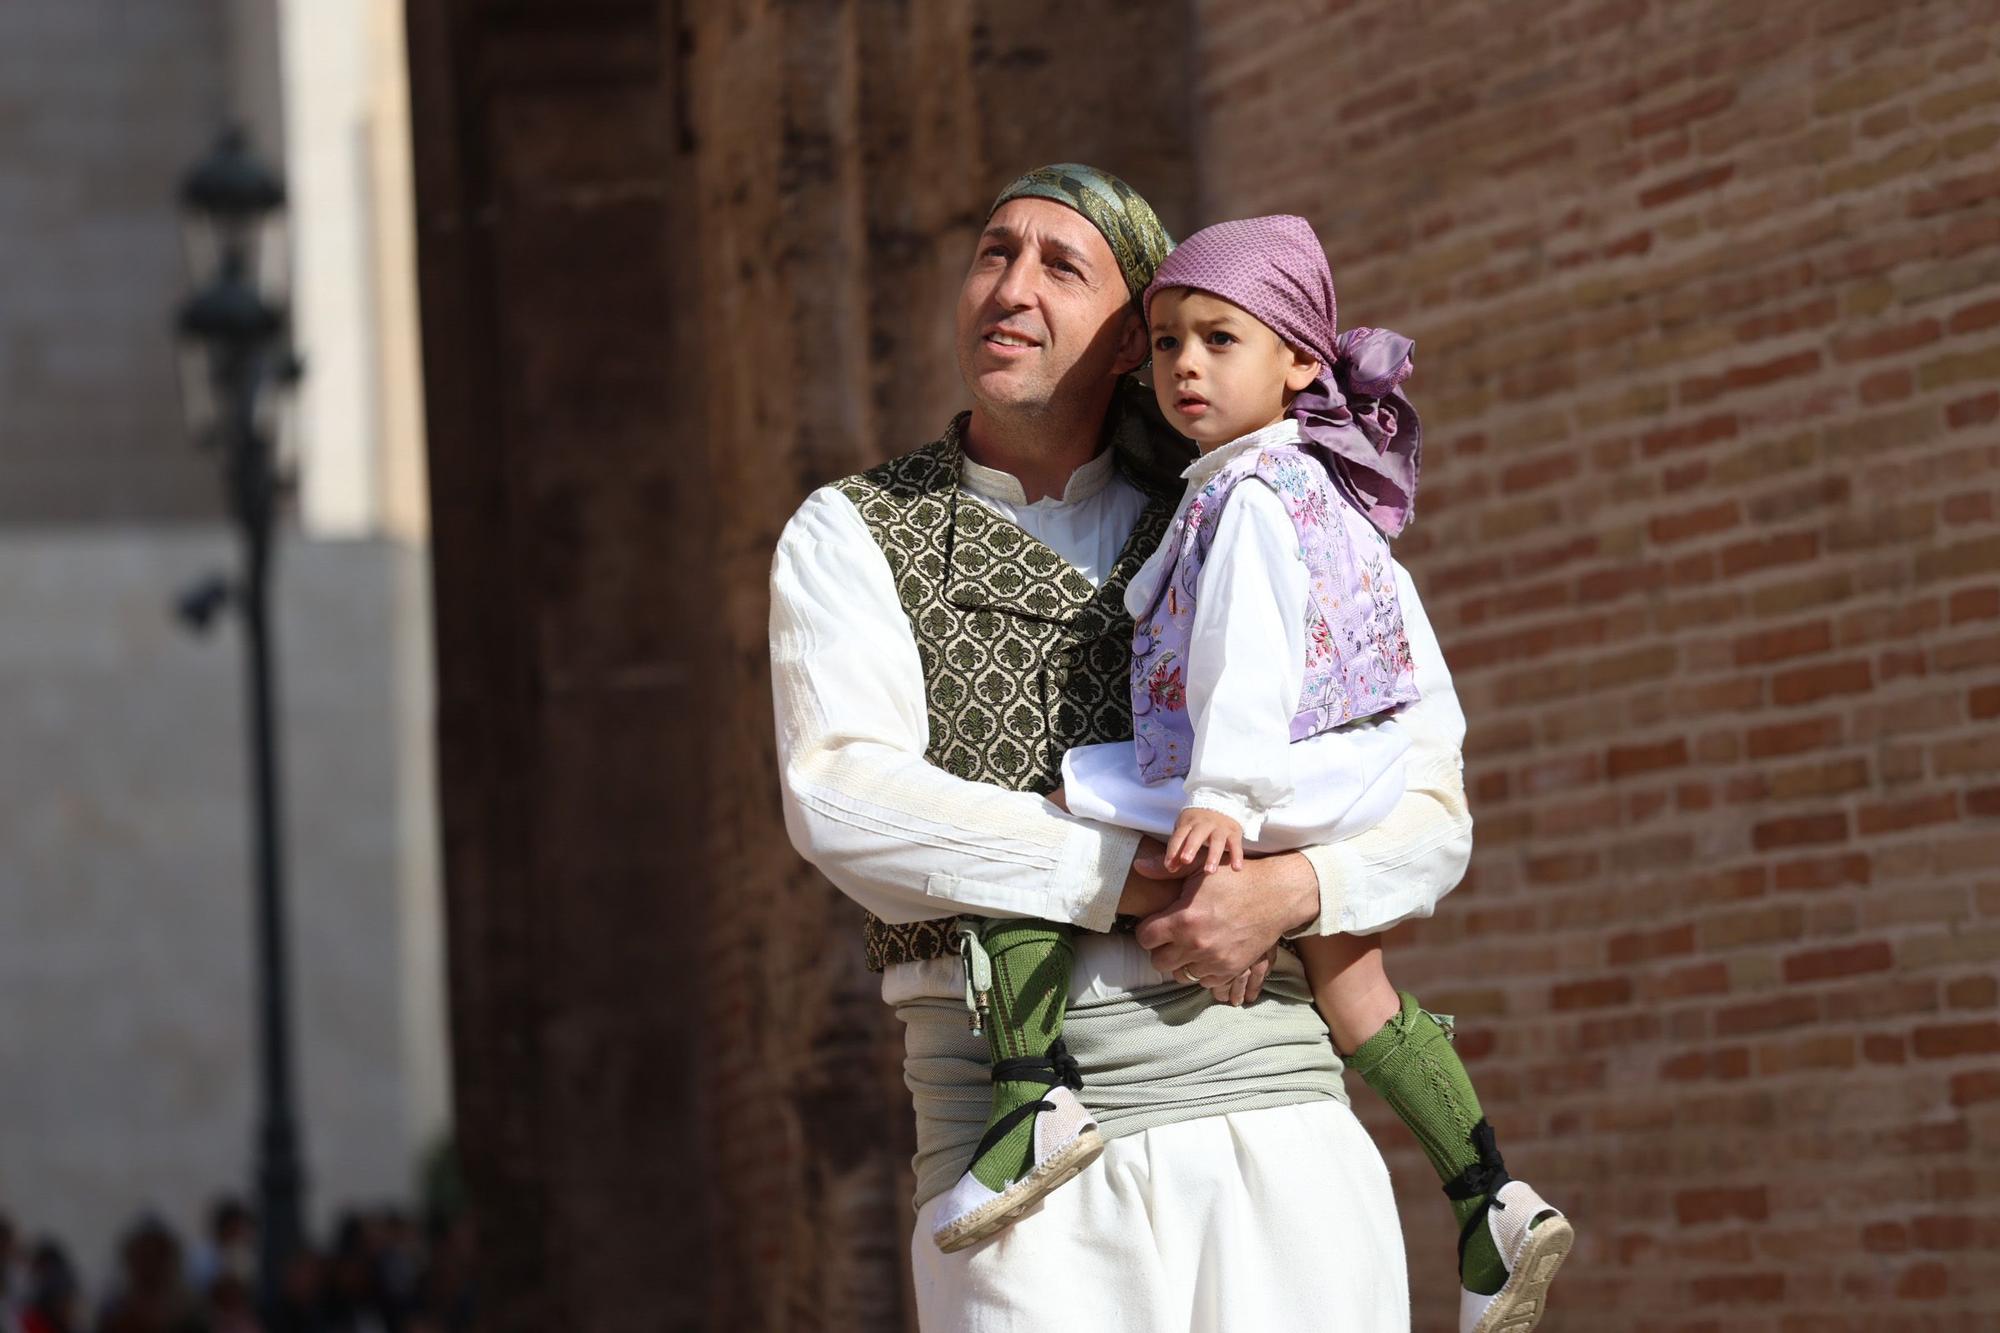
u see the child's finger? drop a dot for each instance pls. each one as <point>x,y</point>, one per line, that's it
<point>1218,847</point>
<point>1236,851</point>
<point>1174,847</point>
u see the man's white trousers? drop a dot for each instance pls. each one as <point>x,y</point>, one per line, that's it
<point>1262,1221</point>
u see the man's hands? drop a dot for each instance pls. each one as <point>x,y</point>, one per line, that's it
<point>1149,886</point>
<point>1220,927</point>
<point>1226,921</point>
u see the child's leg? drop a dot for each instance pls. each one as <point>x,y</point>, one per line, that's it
<point>1402,1053</point>
<point>1030,965</point>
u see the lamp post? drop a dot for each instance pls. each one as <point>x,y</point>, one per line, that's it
<point>237,365</point>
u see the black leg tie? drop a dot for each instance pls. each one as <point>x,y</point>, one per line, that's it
<point>1058,1067</point>
<point>1483,1177</point>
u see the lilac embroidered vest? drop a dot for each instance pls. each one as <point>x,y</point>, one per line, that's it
<point>1357,655</point>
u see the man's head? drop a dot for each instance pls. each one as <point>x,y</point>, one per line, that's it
<point>1047,316</point>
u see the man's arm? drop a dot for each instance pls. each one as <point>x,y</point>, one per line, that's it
<point>1418,853</point>
<point>904,838</point>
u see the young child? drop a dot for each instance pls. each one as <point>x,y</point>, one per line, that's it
<point>1267,622</point>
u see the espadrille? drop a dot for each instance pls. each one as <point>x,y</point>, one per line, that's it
<point>1533,1239</point>
<point>1066,1141</point>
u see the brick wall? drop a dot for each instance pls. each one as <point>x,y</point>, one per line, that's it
<point>1707,305</point>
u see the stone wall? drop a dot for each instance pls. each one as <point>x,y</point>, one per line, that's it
<point>1707,306</point>
<point>681,264</point>
<point>105,104</point>
<point>127,989</point>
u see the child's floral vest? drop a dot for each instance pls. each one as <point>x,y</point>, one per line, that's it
<point>1357,656</point>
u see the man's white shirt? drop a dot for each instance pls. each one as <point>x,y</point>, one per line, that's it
<point>909,841</point>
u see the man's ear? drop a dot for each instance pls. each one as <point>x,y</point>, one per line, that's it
<point>1302,372</point>
<point>1133,344</point>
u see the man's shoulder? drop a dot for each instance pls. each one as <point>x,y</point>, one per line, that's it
<point>925,470</point>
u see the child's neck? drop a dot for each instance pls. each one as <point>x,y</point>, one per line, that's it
<point>1210,446</point>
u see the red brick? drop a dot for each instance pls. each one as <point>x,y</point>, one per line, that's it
<point>1799,830</point>
<point>1847,961</point>
<point>1972,318</point>
<point>1700,522</point>
<point>1881,1048</point>
<point>1887,341</point>
<point>1678,114</point>
<point>1751,376</point>
<point>1784,738</point>
<point>1645,946</point>
<point>1824,872</point>
<point>1700,979</point>
<point>1983,802</point>
<point>1784,1011</point>
<point>1974,411</point>
<point>1974,604</point>
<point>1805,684</point>
<point>1739,1289</point>
<point>1623,761</point>
<point>1885,1238</point>
<point>1887,386</point>
<point>1680,187</point>
<point>1948,1042</point>
<point>1765,553</point>
<point>1597,994</point>
<point>1748,1203</point>
<point>1984,701</point>
<point>1978,992</point>
<point>1951,194</point>
<point>1775,645</point>
<point>1692,435</point>
<point>1923,1282</point>
<point>1895,816</point>
<point>1975,1087</point>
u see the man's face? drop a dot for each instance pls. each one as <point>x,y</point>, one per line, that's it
<point>1044,308</point>
<point>1218,371</point>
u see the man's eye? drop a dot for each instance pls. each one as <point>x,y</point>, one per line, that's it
<point>993,251</point>
<point>1064,266</point>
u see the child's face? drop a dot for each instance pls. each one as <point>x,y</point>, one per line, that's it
<point>1218,371</point>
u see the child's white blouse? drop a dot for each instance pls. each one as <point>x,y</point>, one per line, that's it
<point>1246,664</point>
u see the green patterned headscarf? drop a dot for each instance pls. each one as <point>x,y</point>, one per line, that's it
<point>1118,211</point>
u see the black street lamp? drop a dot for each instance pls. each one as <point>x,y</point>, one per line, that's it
<point>238,364</point>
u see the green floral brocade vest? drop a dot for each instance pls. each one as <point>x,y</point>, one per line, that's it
<point>1022,658</point>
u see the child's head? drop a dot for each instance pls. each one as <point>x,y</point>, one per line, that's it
<point>1241,317</point>
<point>1218,371</point>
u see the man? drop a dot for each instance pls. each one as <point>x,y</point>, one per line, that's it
<point>943,629</point>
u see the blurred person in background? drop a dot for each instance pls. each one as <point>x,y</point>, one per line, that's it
<point>231,1247</point>
<point>54,1298</point>
<point>152,1295</point>
<point>232,1306</point>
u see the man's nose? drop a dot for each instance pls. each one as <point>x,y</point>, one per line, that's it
<point>1017,287</point>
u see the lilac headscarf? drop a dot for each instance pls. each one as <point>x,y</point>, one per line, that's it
<point>1355,412</point>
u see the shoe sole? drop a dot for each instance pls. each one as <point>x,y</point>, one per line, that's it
<point>998,1214</point>
<point>1518,1306</point>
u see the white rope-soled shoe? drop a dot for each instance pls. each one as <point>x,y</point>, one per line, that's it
<point>1533,1239</point>
<point>1066,1141</point>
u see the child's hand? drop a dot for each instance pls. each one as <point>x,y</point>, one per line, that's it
<point>1198,828</point>
<point>1059,798</point>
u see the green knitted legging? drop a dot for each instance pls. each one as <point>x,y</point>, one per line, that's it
<point>1030,996</point>
<point>1411,1065</point>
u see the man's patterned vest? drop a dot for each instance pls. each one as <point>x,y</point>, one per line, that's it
<point>1022,658</point>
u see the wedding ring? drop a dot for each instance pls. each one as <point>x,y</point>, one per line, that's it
<point>1187,975</point>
